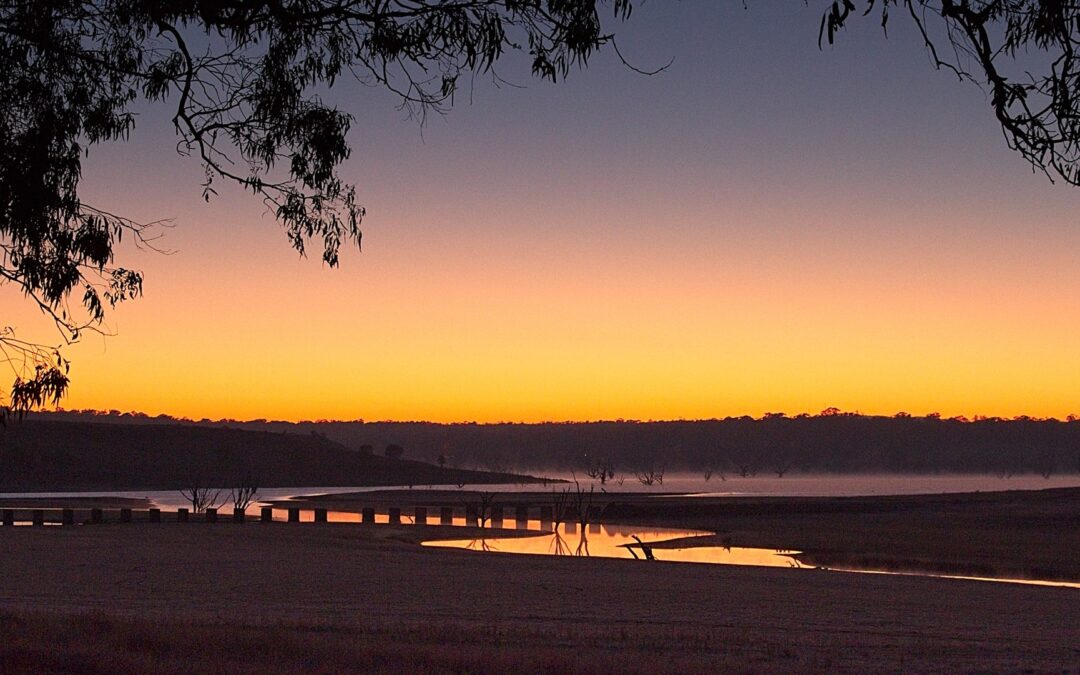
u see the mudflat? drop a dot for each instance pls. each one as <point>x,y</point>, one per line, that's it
<point>291,598</point>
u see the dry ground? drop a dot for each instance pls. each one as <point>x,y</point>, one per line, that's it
<point>292,598</point>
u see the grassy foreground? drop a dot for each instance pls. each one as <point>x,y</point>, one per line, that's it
<point>104,643</point>
<point>328,598</point>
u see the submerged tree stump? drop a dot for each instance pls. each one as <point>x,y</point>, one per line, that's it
<point>267,514</point>
<point>395,516</point>
<point>367,515</point>
<point>446,515</point>
<point>420,516</point>
<point>320,515</point>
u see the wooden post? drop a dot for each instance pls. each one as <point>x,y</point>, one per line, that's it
<point>320,515</point>
<point>68,517</point>
<point>545,514</point>
<point>470,516</point>
<point>446,515</point>
<point>211,515</point>
<point>395,516</point>
<point>420,515</point>
<point>521,517</point>
<point>155,515</point>
<point>181,515</point>
<point>125,515</point>
<point>294,515</point>
<point>496,516</point>
<point>267,515</point>
<point>239,516</point>
<point>38,516</point>
<point>367,515</point>
<point>97,516</point>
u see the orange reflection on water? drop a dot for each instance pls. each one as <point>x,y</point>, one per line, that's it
<point>607,541</point>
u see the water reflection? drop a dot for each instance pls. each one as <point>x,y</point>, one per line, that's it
<point>605,541</point>
<point>608,541</point>
<point>1029,582</point>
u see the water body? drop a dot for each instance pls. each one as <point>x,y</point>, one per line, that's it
<point>614,541</point>
<point>830,485</point>
<point>607,541</point>
<point>790,485</point>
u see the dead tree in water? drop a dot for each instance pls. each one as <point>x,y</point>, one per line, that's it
<point>748,469</point>
<point>581,505</point>
<point>484,508</point>
<point>646,549</point>
<point>560,506</point>
<point>650,475</point>
<point>243,494</point>
<point>201,497</point>
<point>602,470</point>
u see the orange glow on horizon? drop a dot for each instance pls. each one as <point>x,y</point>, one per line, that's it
<point>691,333</point>
<point>658,293</point>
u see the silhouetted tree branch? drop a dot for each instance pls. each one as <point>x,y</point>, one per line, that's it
<point>1023,51</point>
<point>241,79</point>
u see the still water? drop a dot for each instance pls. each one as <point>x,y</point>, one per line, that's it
<point>609,541</point>
<point>613,541</point>
<point>790,485</point>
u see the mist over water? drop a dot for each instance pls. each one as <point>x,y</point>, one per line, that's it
<point>791,485</point>
<point>826,485</point>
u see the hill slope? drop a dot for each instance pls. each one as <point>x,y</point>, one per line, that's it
<point>47,455</point>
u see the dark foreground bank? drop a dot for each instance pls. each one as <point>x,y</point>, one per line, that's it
<point>221,598</point>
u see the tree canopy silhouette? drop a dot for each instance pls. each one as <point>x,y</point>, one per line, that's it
<point>241,78</point>
<point>1023,51</point>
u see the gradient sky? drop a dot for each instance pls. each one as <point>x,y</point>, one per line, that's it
<point>763,227</point>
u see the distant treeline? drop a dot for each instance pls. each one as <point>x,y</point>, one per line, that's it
<point>37,455</point>
<point>832,442</point>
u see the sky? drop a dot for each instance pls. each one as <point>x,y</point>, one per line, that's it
<point>764,226</point>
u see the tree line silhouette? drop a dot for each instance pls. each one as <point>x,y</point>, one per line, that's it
<point>831,442</point>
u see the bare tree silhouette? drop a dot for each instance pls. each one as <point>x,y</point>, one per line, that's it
<point>654,473</point>
<point>201,497</point>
